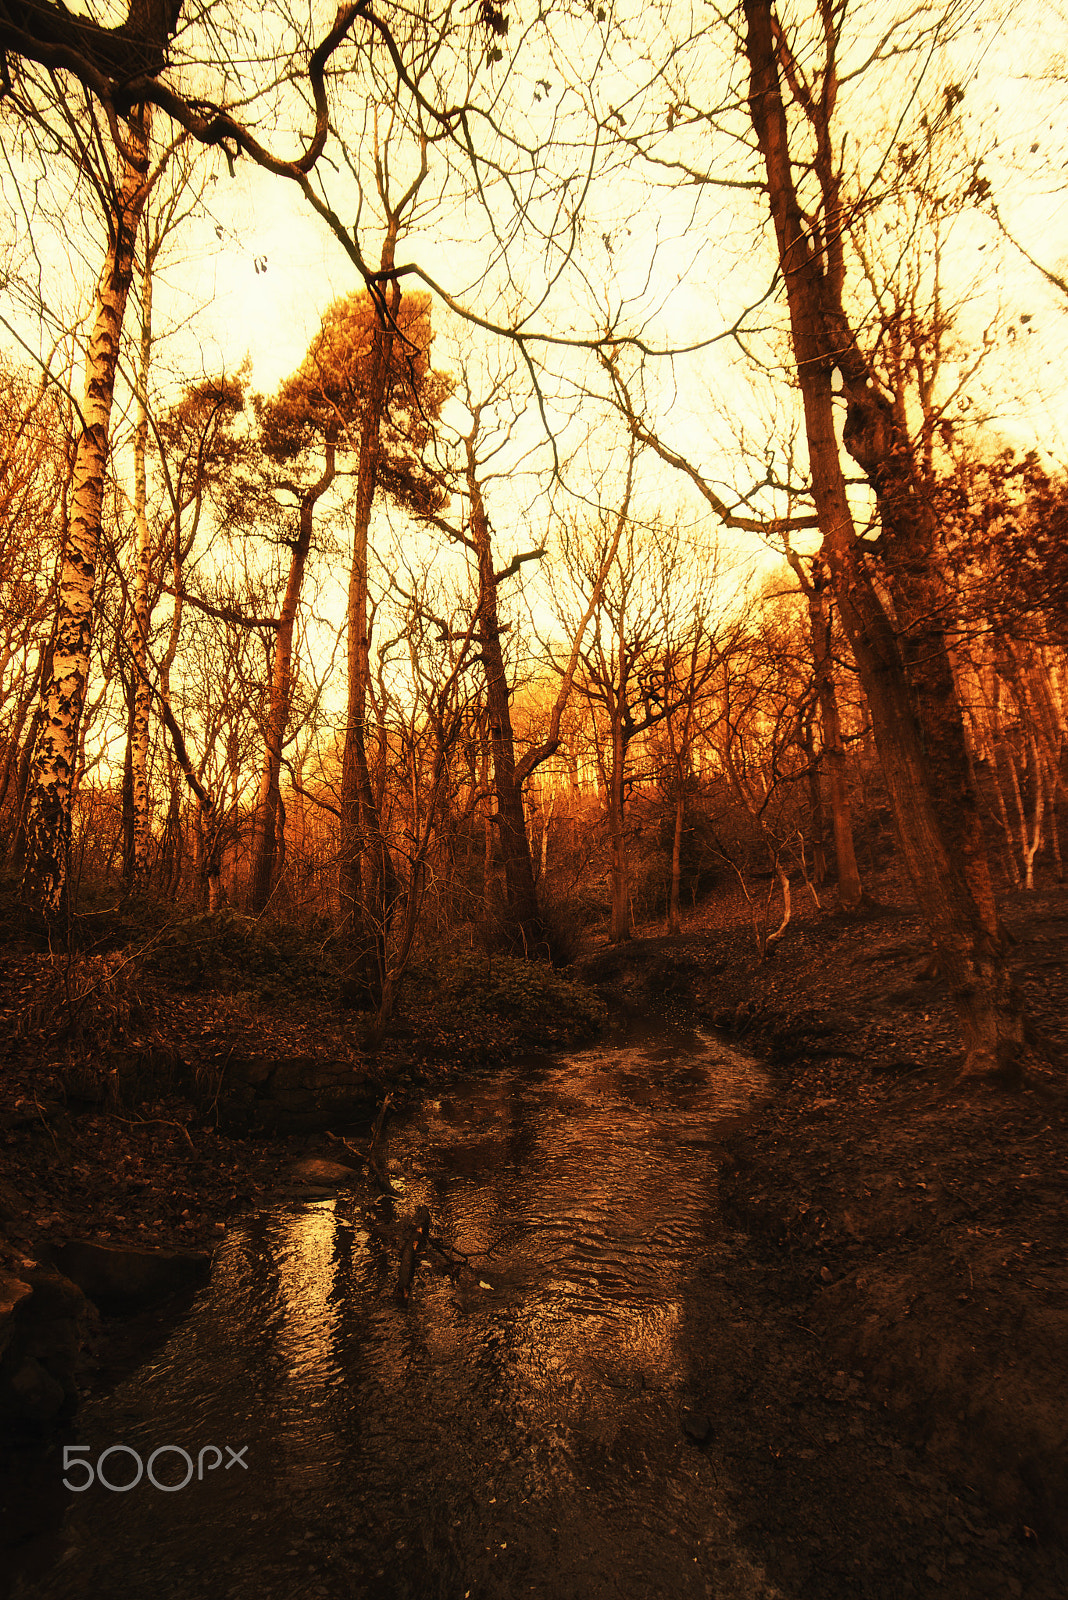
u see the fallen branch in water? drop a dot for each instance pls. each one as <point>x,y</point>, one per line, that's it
<point>375,1160</point>
<point>349,1149</point>
<point>411,1250</point>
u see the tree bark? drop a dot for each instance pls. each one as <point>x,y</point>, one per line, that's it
<point>137,819</point>
<point>367,878</point>
<point>268,804</point>
<point>524,932</point>
<point>850,892</point>
<point>53,774</point>
<point>902,660</point>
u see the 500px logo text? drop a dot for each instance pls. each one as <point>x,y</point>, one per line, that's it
<point>106,1470</point>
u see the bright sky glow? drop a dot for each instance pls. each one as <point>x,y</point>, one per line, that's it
<point>252,271</point>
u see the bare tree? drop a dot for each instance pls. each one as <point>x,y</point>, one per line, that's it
<point>901,653</point>
<point>690,664</point>
<point>35,466</point>
<point>646,619</point>
<point>757,735</point>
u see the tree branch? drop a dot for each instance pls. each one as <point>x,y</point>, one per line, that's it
<point>516,562</point>
<point>220,613</point>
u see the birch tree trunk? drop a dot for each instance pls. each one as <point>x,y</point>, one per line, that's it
<point>137,817</point>
<point>53,773</point>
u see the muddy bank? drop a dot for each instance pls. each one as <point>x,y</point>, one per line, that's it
<point>914,1228</point>
<point>142,1106</point>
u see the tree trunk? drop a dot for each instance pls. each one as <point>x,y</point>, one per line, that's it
<point>208,825</point>
<point>850,892</point>
<point>766,939</point>
<point>546,818</point>
<point>169,876</point>
<point>367,877</point>
<point>814,588</point>
<point>814,778</point>
<point>137,819</point>
<point>524,931</point>
<point>24,761</point>
<point>674,923</point>
<point>1032,832</point>
<point>619,927</point>
<point>903,662</point>
<point>265,840</point>
<point>53,775</point>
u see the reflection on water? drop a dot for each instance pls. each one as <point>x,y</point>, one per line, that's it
<point>511,1431</point>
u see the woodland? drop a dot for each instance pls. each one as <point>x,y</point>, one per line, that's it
<point>624,555</point>
<point>498,645</point>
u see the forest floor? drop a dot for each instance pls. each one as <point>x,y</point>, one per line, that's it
<point>908,1228</point>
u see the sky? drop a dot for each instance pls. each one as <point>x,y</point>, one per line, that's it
<point>253,270</point>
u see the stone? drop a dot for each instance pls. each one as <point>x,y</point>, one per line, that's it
<point>12,1292</point>
<point>33,1394</point>
<point>48,1328</point>
<point>317,1170</point>
<point>130,1274</point>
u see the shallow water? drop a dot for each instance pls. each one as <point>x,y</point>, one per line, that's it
<point>515,1430</point>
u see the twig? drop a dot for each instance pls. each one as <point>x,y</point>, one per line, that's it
<point>380,1120</point>
<point>218,1087</point>
<point>45,1121</point>
<point>168,1122</point>
<point>345,1145</point>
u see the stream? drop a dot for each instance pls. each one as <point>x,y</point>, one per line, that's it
<point>519,1428</point>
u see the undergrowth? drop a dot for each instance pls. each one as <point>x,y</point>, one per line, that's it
<point>240,955</point>
<point>537,1005</point>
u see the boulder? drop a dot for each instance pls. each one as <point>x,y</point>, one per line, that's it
<point>123,1275</point>
<point>12,1292</point>
<point>47,1326</point>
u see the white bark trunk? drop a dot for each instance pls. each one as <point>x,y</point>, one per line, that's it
<point>142,690</point>
<point>52,780</point>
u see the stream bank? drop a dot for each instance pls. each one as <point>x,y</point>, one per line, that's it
<point>914,1226</point>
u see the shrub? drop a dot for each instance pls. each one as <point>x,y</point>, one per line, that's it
<point>236,954</point>
<point>540,1007</point>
